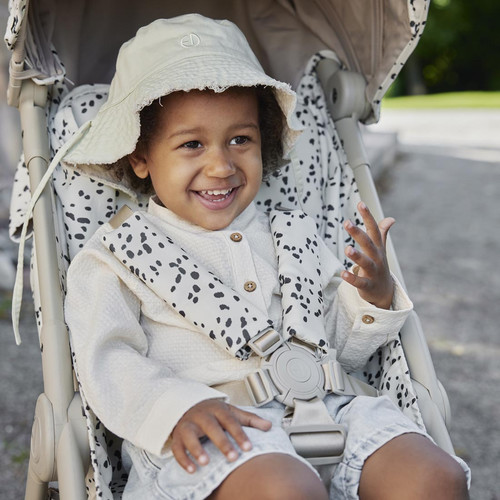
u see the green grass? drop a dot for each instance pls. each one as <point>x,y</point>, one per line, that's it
<point>445,101</point>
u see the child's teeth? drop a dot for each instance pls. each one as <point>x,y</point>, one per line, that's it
<point>216,191</point>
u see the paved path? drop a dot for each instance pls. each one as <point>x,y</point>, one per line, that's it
<point>454,128</point>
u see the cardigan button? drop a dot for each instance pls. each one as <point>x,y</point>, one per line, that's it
<point>250,286</point>
<point>236,237</point>
<point>367,319</point>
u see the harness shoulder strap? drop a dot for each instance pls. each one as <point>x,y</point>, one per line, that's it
<point>187,286</point>
<point>195,293</point>
<point>297,249</point>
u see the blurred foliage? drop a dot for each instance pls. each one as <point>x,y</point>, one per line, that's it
<point>459,49</point>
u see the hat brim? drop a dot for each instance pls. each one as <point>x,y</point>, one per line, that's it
<point>114,132</point>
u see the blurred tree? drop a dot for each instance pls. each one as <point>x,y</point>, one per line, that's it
<point>459,50</point>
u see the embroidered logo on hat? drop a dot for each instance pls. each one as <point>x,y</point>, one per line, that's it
<point>191,40</point>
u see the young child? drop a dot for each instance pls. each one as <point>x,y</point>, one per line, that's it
<point>192,115</point>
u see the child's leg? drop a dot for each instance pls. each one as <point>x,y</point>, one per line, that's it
<point>273,476</point>
<point>411,467</point>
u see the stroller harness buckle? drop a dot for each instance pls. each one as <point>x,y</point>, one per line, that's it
<point>290,372</point>
<point>300,375</point>
<point>295,371</point>
<point>319,444</point>
<point>266,342</point>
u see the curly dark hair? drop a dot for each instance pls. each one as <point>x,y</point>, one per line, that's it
<point>271,123</point>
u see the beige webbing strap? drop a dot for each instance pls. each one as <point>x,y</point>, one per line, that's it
<point>120,217</point>
<point>236,391</point>
<point>339,382</point>
<point>315,435</point>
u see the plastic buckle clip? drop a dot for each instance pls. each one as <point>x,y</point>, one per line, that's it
<point>320,444</point>
<point>266,342</point>
<point>259,388</point>
<point>334,377</point>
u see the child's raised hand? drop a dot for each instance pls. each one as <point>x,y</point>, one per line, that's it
<point>214,419</point>
<point>372,278</point>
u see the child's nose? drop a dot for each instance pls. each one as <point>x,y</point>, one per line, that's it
<point>219,164</point>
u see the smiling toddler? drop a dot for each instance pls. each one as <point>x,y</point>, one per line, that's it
<point>169,308</point>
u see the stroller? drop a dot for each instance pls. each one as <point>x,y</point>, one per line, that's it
<point>341,57</point>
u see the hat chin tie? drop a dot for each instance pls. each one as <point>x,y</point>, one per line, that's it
<point>17,294</point>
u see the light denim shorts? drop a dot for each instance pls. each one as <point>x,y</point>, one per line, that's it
<point>371,422</point>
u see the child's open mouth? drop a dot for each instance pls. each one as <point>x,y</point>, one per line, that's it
<point>217,198</point>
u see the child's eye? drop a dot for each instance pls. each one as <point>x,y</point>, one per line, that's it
<point>239,140</point>
<point>192,144</point>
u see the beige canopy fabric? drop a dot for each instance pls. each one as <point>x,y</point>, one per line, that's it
<point>373,37</point>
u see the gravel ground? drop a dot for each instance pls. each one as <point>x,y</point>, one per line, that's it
<point>447,240</point>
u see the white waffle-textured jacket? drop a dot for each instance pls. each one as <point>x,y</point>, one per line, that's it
<point>142,366</point>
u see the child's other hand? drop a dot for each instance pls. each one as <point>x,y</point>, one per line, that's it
<point>373,278</point>
<point>212,418</point>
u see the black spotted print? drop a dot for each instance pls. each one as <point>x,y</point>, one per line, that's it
<point>187,286</point>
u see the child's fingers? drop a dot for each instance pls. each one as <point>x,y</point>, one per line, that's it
<point>232,422</point>
<point>372,241</point>
<point>362,238</point>
<point>183,459</point>
<point>372,228</point>
<point>217,421</point>
<point>356,281</point>
<point>384,225</point>
<point>362,260</point>
<point>232,425</point>
<point>188,439</point>
<point>249,419</point>
<point>215,431</point>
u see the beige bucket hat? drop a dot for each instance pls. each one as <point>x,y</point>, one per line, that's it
<point>183,53</point>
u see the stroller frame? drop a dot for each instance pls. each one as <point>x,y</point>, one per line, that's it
<point>59,447</point>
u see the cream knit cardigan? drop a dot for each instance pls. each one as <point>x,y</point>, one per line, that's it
<point>142,366</point>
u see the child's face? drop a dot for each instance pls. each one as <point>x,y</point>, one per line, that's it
<point>205,160</point>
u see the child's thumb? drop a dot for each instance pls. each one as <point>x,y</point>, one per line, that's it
<point>384,225</point>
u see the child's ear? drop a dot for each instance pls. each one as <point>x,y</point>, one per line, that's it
<point>139,164</point>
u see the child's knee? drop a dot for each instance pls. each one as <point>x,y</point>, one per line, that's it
<point>272,476</point>
<point>412,466</point>
<point>304,487</point>
<point>290,480</point>
<point>440,473</point>
<point>447,477</point>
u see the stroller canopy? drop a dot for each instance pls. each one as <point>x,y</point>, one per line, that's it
<point>371,37</point>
